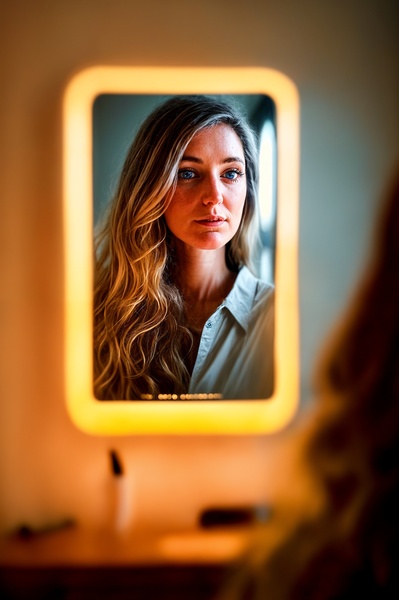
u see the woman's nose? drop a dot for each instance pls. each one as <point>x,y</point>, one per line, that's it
<point>212,193</point>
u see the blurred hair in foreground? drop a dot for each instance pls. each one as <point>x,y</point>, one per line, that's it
<point>348,547</point>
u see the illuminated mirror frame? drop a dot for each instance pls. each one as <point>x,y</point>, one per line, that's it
<point>175,417</point>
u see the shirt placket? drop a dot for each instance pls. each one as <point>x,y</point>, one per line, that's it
<point>208,334</point>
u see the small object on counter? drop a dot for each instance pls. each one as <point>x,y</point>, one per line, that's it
<point>234,516</point>
<point>25,531</point>
<point>121,504</point>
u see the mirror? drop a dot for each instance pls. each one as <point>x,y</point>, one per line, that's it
<point>103,106</point>
<point>242,370</point>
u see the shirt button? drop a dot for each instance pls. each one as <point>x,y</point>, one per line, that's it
<point>208,324</point>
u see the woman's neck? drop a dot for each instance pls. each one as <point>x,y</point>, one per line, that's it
<point>204,281</point>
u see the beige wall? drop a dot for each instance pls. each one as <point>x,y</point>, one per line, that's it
<point>344,60</point>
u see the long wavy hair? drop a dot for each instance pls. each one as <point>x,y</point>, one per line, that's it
<point>140,336</point>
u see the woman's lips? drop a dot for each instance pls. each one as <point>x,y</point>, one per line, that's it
<point>211,221</point>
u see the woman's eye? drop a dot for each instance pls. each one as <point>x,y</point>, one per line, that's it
<point>186,174</point>
<point>233,174</point>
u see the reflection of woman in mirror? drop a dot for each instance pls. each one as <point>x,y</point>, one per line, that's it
<point>177,309</point>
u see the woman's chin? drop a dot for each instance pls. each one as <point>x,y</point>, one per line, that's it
<point>210,240</point>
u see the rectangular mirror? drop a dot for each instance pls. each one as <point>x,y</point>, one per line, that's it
<point>103,108</point>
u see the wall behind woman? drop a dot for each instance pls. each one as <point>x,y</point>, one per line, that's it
<point>344,61</point>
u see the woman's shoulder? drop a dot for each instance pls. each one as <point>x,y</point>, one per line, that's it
<point>251,300</point>
<point>260,288</point>
<point>262,291</point>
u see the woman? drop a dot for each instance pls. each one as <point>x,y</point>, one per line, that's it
<point>177,312</point>
<point>347,544</point>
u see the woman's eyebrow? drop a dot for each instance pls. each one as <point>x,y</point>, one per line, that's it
<point>192,158</point>
<point>195,159</point>
<point>231,159</point>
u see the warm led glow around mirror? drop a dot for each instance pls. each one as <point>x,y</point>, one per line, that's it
<point>139,417</point>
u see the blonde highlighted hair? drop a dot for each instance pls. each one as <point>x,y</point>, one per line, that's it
<point>140,337</point>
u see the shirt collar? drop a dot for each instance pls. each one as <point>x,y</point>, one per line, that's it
<point>242,296</point>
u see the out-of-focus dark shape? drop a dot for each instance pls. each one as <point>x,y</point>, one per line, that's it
<point>116,464</point>
<point>233,516</point>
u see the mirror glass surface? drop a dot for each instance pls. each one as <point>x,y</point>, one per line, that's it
<point>116,120</point>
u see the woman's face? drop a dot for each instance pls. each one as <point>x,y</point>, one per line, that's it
<point>206,208</point>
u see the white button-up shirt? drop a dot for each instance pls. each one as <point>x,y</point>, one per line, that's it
<point>235,354</point>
